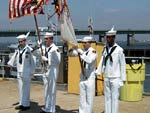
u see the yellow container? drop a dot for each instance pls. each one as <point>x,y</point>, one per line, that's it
<point>136,72</point>
<point>73,75</point>
<point>99,87</point>
<point>133,87</point>
<point>131,91</point>
<point>1,79</point>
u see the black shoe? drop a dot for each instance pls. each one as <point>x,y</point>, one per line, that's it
<point>25,108</point>
<point>44,112</point>
<point>19,107</point>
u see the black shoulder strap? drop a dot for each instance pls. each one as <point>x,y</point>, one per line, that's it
<point>16,54</point>
<point>84,63</point>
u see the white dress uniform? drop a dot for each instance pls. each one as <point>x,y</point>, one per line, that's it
<point>26,63</point>
<point>50,77</point>
<point>113,67</point>
<point>87,81</point>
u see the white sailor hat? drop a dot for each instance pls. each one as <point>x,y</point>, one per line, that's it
<point>111,32</point>
<point>87,39</point>
<point>23,36</point>
<point>48,34</point>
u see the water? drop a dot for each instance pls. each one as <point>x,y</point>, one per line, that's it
<point>147,84</point>
<point>6,41</point>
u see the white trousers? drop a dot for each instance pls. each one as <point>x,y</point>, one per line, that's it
<point>111,91</point>
<point>24,89</point>
<point>50,91</point>
<point>87,92</point>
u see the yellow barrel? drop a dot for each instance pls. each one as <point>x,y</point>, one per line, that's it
<point>99,86</point>
<point>133,87</point>
<point>1,79</point>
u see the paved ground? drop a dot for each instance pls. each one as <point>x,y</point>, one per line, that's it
<point>66,103</point>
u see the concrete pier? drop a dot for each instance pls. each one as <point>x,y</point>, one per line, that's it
<point>66,103</point>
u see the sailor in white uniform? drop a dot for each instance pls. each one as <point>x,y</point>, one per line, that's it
<point>53,58</point>
<point>25,63</point>
<point>113,66</point>
<point>88,57</point>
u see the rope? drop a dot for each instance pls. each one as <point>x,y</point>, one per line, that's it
<point>131,65</point>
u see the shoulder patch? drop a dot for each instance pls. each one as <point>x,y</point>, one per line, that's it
<point>27,52</point>
<point>94,51</point>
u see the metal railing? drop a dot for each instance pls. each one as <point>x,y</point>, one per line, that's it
<point>11,72</point>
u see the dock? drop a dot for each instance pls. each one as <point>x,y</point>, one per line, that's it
<point>66,103</point>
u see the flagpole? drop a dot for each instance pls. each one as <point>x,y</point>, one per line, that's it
<point>39,39</point>
<point>82,69</point>
<point>38,33</point>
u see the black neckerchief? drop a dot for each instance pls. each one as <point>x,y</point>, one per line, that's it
<point>20,56</point>
<point>46,53</point>
<point>109,54</point>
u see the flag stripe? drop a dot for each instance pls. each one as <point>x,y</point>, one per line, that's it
<point>17,4</point>
<point>20,2</point>
<point>14,7</point>
<point>17,9</point>
<point>9,9</point>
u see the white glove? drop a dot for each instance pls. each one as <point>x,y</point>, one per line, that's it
<point>39,42</point>
<point>44,58</point>
<point>80,51</point>
<point>121,83</point>
<point>96,74</point>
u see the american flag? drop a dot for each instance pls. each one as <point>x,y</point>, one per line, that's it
<point>19,8</point>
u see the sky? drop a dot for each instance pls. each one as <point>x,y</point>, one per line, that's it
<point>123,14</point>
